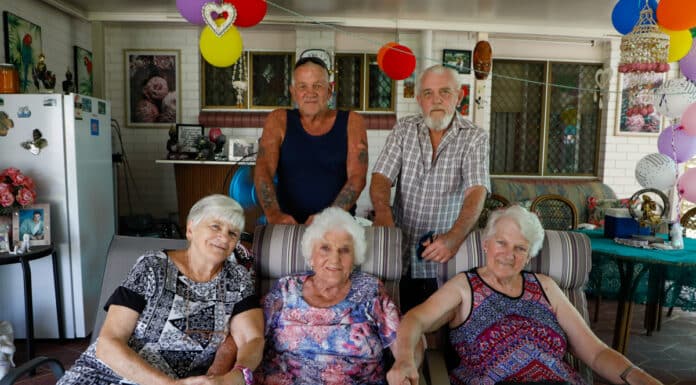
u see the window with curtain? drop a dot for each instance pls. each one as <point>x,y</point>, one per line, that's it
<point>545,119</point>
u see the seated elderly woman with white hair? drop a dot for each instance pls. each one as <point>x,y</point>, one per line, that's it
<point>329,325</point>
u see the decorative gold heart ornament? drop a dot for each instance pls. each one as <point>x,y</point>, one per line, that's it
<point>222,27</point>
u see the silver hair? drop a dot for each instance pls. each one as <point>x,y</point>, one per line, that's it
<point>217,206</point>
<point>439,69</point>
<point>529,224</point>
<point>334,219</point>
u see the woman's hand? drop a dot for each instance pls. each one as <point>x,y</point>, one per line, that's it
<point>403,373</point>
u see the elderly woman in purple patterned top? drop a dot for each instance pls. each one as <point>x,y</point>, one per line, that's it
<point>496,311</point>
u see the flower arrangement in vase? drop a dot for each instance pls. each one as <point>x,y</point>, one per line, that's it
<point>16,190</point>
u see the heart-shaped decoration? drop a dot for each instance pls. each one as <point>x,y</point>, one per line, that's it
<point>210,10</point>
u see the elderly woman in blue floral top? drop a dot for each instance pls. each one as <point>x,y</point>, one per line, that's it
<point>329,325</point>
<point>175,307</point>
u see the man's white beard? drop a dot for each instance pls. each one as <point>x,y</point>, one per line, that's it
<point>439,124</point>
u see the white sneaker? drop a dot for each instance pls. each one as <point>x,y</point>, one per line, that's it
<point>7,348</point>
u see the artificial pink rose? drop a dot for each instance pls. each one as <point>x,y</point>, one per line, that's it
<point>4,187</point>
<point>25,197</point>
<point>28,183</point>
<point>10,171</point>
<point>146,111</point>
<point>6,198</point>
<point>156,88</point>
<point>19,179</point>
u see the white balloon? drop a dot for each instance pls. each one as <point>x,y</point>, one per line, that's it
<point>656,171</point>
<point>674,96</point>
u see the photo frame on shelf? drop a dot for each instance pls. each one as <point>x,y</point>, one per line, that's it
<point>271,74</point>
<point>153,87</point>
<point>20,32</point>
<point>34,220</point>
<point>630,97</point>
<point>187,136</point>
<point>458,59</point>
<point>243,148</point>
<point>4,242</point>
<point>84,79</point>
<point>464,106</point>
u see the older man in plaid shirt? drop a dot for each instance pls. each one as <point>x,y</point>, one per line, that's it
<point>439,163</point>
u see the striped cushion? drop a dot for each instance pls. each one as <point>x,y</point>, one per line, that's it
<point>278,252</point>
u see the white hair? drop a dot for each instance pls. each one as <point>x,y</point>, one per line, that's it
<point>334,219</point>
<point>220,207</point>
<point>529,224</point>
<point>439,69</point>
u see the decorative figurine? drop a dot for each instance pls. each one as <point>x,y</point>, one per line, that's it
<point>205,148</point>
<point>649,208</point>
<point>172,145</point>
<point>41,73</point>
<point>34,146</point>
<point>218,138</point>
<point>675,234</point>
<point>68,84</point>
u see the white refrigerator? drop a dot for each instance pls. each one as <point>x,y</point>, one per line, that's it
<point>73,173</point>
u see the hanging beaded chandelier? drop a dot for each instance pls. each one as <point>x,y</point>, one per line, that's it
<point>645,48</point>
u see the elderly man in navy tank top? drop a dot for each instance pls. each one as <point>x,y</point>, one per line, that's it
<point>439,163</point>
<point>318,154</point>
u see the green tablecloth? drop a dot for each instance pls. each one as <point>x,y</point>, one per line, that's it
<point>680,287</point>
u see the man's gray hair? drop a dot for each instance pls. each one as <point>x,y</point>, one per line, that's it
<point>217,206</point>
<point>439,69</point>
<point>334,219</point>
<point>529,224</point>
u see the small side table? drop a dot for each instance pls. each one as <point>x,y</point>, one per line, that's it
<point>36,252</point>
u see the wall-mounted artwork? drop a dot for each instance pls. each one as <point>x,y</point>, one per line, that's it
<point>83,71</point>
<point>463,106</point>
<point>152,87</point>
<point>460,60</point>
<point>271,77</point>
<point>635,112</point>
<point>22,48</point>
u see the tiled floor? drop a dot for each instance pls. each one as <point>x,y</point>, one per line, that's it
<point>669,354</point>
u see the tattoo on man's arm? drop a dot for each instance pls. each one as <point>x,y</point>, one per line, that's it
<point>268,197</point>
<point>345,198</point>
<point>362,155</point>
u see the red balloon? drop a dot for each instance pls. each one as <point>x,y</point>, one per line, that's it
<point>249,12</point>
<point>676,15</point>
<point>382,51</point>
<point>398,62</point>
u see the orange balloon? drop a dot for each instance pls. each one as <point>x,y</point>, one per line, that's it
<point>676,14</point>
<point>382,51</point>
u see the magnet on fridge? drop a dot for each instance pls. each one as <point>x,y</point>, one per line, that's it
<point>36,144</point>
<point>5,123</point>
<point>24,112</point>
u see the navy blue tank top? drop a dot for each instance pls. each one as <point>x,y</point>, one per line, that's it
<point>311,169</point>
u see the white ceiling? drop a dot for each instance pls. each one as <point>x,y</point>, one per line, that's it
<point>588,18</point>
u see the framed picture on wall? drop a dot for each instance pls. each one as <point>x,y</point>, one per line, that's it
<point>635,112</point>
<point>22,48</point>
<point>152,87</point>
<point>34,221</point>
<point>83,71</point>
<point>271,76</point>
<point>460,60</point>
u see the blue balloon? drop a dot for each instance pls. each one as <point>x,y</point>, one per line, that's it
<point>626,13</point>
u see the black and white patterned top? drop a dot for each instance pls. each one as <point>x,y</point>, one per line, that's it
<point>167,302</point>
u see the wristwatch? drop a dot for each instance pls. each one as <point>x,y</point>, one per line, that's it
<point>247,373</point>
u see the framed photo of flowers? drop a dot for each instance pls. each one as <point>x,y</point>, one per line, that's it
<point>153,87</point>
<point>635,112</point>
<point>83,71</point>
<point>33,221</point>
<point>22,48</point>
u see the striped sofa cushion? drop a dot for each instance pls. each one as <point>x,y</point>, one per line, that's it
<point>278,252</point>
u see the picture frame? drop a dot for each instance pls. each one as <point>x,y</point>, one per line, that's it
<point>153,87</point>
<point>187,136</point>
<point>84,80</point>
<point>23,220</point>
<point>243,148</point>
<point>630,93</point>
<point>4,242</point>
<point>271,75</point>
<point>464,107</point>
<point>458,59</point>
<point>18,31</point>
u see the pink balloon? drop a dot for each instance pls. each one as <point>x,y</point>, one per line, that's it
<point>687,64</point>
<point>192,10</point>
<point>681,149</point>
<point>686,185</point>
<point>688,120</point>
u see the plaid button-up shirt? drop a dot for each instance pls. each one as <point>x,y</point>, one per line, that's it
<point>430,192</point>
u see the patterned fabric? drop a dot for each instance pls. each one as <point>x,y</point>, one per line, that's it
<point>564,256</point>
<point>341,344</point>
<point>430,193</point>
<point>172,302</point>
<point>597,208</point>
<point>510,339</point>
<point>278,253</point>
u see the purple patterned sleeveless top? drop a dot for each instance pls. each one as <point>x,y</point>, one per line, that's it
<point>512,339</point>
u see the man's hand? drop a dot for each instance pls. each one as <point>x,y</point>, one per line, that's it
<point>441,249</point>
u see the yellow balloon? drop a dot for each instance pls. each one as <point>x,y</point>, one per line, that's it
<point>679,43</point>
<point>220,51</point>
